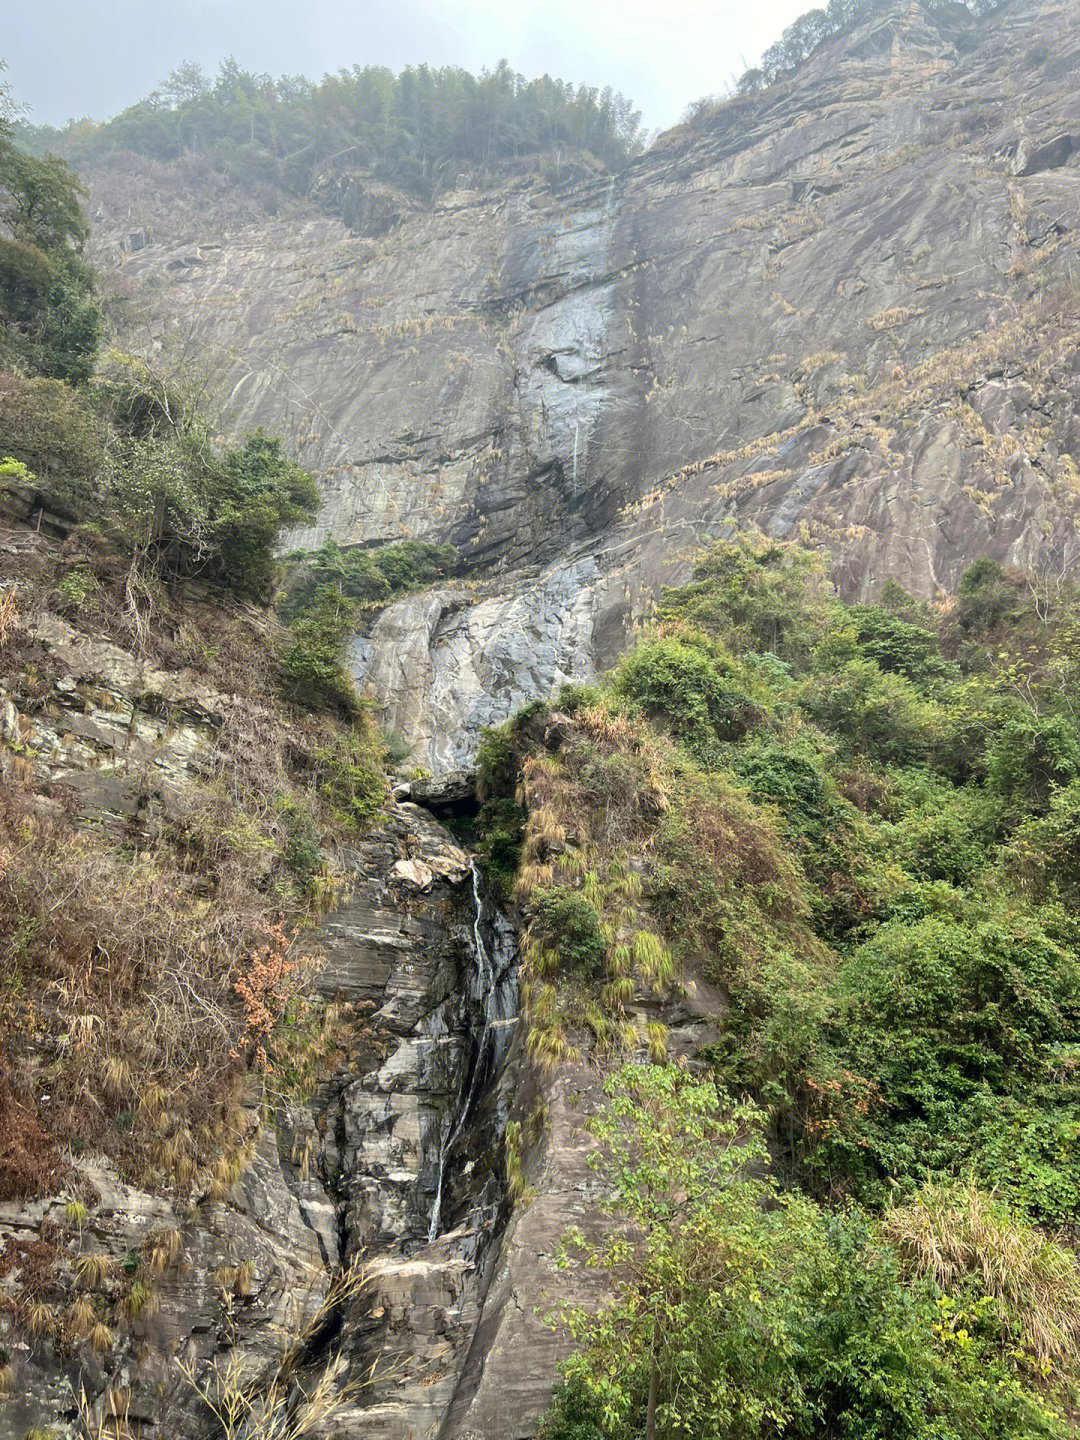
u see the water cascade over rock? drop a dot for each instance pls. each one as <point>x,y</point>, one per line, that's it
<point>832,310</point>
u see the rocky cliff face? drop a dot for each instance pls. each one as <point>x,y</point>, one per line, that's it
<point>372,1235</point>
<point>392,1173</point>
<point>842,309</point>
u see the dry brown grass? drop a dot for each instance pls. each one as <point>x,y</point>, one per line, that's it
<point>9,614</point>
<point>125,966</point>
<point>956,1234</point>
<point>291,1403</point>
<point>30,1161</point>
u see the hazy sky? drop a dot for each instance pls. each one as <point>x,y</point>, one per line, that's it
<point>92,57</point>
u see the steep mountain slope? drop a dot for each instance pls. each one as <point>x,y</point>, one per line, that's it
<point>843,309</point>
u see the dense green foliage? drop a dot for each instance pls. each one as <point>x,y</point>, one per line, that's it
<point>324,594</point>
<point>369,575</point>
<point>920,770</point>
<point>314,663</point>
<point>129,454</point>
<point>566,918</point>
<point>49,320</point>
<point>500,823</point>
<point>860,824</point>
<point>133,457</point>
<point>421,129</point>
<point>743,1311</point>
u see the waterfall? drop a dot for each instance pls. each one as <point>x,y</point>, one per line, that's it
<point>494,1000</point>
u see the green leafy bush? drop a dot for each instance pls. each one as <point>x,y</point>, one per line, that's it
<point>880,715</point>
<point>986,598</point>
<point>49,319</point>
<point>351,782</point>
<point>897,646</point>
<point>303,853</point>
<point>501,821</point>
<point>573,697</point>
<point>313,665</point>
<point>743,1311</point>
<point>567,922</point>
<point>252,494</point>
<point>1032,756</point>
<point>1044,852</point>
<point>51,430</point>
<point>756,596</point>
<point>690,689</point>
<point>369,575</point>
<point>955,1023</point>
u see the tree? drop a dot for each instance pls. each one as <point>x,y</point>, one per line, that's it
<point>256,493</point>
<point>49,320</point>
<point>744,1313</point>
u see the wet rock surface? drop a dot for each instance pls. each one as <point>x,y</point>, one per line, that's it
<point>394,1165</point>
<point>842,310</point>
<point>837,310</point>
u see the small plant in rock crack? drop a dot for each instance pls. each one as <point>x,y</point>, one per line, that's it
<point>294,1402</point>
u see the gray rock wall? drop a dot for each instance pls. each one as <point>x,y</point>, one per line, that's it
<point>842,310</point>
<point>845,311</point>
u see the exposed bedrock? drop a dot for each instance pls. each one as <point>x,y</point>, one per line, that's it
<point>843,311</point>
<point>837,310</point>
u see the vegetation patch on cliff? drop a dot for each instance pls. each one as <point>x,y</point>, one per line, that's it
<point>174,768</point>
<point>855,824</point>
<point>423,129</point>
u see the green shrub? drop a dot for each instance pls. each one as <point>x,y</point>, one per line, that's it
<point>1033,754</point>
<point>794,782</point>
<point>946,832</point>
<point>303,854</point>
<point>573,697</point>
<point>756,595</point>
<point>752,1313</point>
<point>136,461</point>
<point>690,689</point>
<point>55,432</point>
<point>49,319</point>
<point>1043,855</point>
<point>255,492</point>
<point>314,663</point>
<point>897,646</point>
<point>15,471</point>
<point>575,1414</point>
<point>501,821</point>
<point>370,575</point>
<point>986,598</point>
<point>395,747</point>
<point>76,588</point>
<point>955,1023</point>
<point>880,715</point>
<point>567,922</point>
<point>350,780</point>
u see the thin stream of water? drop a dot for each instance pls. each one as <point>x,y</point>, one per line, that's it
<point>486,995</point>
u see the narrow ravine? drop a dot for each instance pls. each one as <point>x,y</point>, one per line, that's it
<point>412,1142</point>
<point>493,993</point>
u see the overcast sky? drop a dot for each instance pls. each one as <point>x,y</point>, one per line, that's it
<point>93,57</point>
